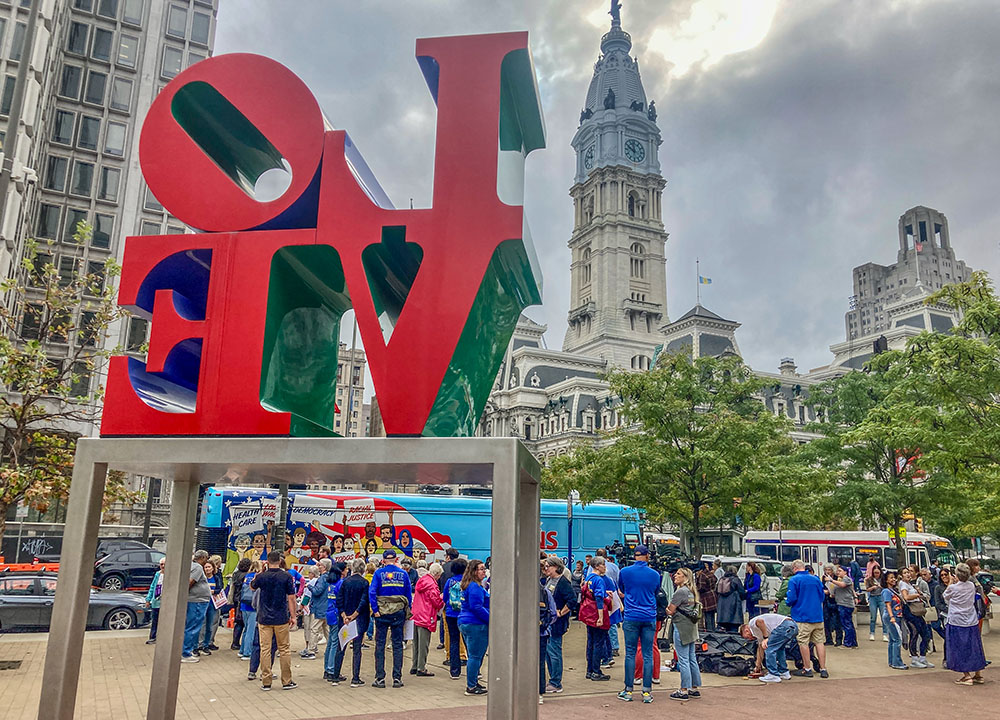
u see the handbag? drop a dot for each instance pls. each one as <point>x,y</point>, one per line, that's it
<point>694,612</point>
<point>932,614</point>
<point>917,608</point>
<point>588,608</point>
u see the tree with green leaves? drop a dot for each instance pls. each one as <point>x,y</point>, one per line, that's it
<point>876,481</point>
<point>53,342</point>
<point>694,435</point>
<point>944,397</point>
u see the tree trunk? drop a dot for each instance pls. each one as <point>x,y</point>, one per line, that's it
<point>3,521</point>
<point>695,531</point>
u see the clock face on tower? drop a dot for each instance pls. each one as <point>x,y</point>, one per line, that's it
<point>634,150</point>
<point>588,158</point>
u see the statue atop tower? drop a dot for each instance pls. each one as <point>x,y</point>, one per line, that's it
<point>618,296</point>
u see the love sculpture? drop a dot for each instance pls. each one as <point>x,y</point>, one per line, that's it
<point>245,315</point>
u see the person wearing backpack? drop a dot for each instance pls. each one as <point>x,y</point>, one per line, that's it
<point>685,612</point>
<point>452,609</point>
<point>235,595</point>
<point>391,598</point>
<point>547,616</point>
<point>731,594</point>
<point>638,584</point>
<point>248,610</point>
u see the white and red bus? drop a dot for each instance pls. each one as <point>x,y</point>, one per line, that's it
<point>841,547</point>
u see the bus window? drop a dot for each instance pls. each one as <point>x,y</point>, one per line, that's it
<point>917,556</point>
<point>790,553</point>
<point>890,559</point>
<point>810,555</point>
<point>840,555</point>
<point>770,552</point>
<point>867,554</point>
<point>944,554</point>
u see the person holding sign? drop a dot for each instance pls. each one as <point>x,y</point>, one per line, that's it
<point>390,596</point>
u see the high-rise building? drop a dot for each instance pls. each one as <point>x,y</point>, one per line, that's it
<point>924,248</point>
<point>350,421</point>
<point>96,67</point>
<point>618,295</point>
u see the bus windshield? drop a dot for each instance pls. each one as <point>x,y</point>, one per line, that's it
<point>945,555</point>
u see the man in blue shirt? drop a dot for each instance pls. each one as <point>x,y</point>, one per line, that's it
<point>637,584</point>
<point>805,599</point>
<point>390,595</point>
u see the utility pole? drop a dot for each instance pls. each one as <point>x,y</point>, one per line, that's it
<point>17,107</point>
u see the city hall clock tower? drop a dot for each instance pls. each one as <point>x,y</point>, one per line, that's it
<point>618,296</point>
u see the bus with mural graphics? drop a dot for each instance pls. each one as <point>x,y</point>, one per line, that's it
<point>239,523</point>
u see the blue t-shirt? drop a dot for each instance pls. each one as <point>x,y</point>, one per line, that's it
<point>805,597</point>
<point>639,583</point>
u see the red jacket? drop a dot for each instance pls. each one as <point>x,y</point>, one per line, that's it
<point>427,602</point>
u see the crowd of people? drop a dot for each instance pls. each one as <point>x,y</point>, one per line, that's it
<point>359,606</point>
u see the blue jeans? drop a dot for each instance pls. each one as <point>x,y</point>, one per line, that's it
<point>249,627</point>
<point>211,620</point>
<point>391,625</point>
<point>613,636</point>
<point>876,607</point>
<point>554,660</point>
<point>895,643</point>
<point>193,623</point>
<point>687,661</point>
<point>596,639</point>
<point>477,638</point>
<point>847,623</point>
<point>639,633</point>
<point>781,637</point>
<point>332,650</point>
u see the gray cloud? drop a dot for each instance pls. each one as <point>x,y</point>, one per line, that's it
<point>787,164</point>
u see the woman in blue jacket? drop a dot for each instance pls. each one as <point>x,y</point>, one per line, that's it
<point>753,588</point>
<point>474,623</point>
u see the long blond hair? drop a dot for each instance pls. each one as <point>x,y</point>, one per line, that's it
<point>689,582</point>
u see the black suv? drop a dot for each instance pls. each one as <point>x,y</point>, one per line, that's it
<point>106,546</point>
<point>130,569</point>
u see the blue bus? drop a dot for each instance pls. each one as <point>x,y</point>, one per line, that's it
<point>238,522</point>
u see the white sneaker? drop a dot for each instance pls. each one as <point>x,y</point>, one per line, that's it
<point>786,675</point>
<point>925,663</point>
<point>915,663</point>
<point>885,638</point>
<point>871,636</point>
<point>769,678</point>
<point>190,659</point>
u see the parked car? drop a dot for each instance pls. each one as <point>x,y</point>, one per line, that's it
<point>131,569</point>
<point>26,604</point>
<point>106,546</point>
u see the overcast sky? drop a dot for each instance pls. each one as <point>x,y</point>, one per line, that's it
<point>794,133</point>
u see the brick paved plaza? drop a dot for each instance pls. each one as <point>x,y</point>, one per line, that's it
<point>116,671</point>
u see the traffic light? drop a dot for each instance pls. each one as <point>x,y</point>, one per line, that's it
<point>919,524</point>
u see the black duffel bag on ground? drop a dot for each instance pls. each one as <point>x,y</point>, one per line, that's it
<point>730,643</point>
<point>734,666</point>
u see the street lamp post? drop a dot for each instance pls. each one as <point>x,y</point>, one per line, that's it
<point>573,497</point>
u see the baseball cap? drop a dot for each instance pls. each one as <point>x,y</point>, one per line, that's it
<point>641,550</point>
<point>389,554</point>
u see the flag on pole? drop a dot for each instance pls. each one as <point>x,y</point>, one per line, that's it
<point>919,247</point>
<point>704,280</point>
